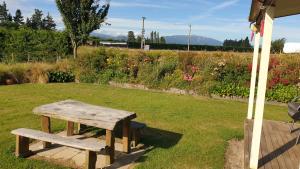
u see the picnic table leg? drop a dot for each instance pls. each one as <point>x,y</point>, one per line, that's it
<point>46,127</point>
<point>126,136</point>
<point>81,128</point>
<point>22,146</point>
<point>70,128</point>
<point>110,143</point>
<point>90,159</point>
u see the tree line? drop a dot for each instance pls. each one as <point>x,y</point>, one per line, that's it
<point>37,39</point>
<point>36,21</point>
<point>242,43</point>
<point>154,38</point>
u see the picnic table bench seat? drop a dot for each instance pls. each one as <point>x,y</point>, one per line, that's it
<point>22,144</point>
<point>136,129</point>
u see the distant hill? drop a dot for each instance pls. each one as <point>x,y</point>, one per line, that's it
<point>106,37</point>
<point>176,39</point>
<point>195,40</point>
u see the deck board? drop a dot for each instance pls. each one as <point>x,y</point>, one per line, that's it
<point>278,149</point>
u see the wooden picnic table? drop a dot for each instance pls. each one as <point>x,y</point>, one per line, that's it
<point>96,116</point>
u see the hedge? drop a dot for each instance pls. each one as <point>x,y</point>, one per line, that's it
<point>156,46</point>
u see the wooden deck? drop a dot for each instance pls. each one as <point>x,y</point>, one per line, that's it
<point>278,149</point>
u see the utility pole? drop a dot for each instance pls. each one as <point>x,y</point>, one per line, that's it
<point>190,36</point>
<point>143,34</point>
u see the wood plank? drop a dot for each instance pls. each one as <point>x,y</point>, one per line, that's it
<point>81,128</point>
<point>263,152</point>
<point>276,145</point>
<point>90,159</point>
<point>269,146</point>
<point>126,136</point>
<point>110,150</point>
<point>70,128</point>
<point>284,153</point>
<point>46,127</point>
<point>79,112</point>
<point>22,146</point>
<point>289,140</point>
<point>246,144</point>
<point>66,141</point>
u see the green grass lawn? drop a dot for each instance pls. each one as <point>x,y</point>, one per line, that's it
<point>185,131</point>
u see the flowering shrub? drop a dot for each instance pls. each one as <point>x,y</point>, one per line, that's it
<point>219,73</point>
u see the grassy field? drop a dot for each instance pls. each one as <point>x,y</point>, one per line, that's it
<point>185,131</point>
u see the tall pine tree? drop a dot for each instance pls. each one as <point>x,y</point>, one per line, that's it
<point>131,37</point>
<point>36,21</point>
<point>18,18</point>
<point>3,12</point>
<point>48,23</point>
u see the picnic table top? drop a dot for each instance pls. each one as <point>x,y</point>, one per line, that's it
<point>79,112</point>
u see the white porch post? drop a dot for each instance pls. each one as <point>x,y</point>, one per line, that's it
<point>262,83</point>
<point>253,75</point>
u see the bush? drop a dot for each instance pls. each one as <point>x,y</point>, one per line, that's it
<point>192,47</point>
<point>60,77</point>
<point>25,73</point>
<point>283,93</point>
<point>230,90</point>
<point>25,44</point>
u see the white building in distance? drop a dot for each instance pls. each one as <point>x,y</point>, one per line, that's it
<point>291,48</point>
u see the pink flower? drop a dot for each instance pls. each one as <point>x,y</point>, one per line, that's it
<point>188,77</point>
<point>194,69</point>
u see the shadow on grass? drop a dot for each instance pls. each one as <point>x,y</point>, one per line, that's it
<point>154,138</point>
<point>151,138</point>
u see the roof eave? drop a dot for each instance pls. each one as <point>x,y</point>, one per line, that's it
<point>255,10</point>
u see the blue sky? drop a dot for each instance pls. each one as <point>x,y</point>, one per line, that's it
<point>219,19</point>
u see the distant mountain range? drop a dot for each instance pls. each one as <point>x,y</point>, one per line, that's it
<point>195,40</point>
<point>107,37</point>
<point>175,39</point>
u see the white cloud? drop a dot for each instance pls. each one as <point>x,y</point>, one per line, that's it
<point>215,8</point>
<point>134,4</point>
<point>120,26</point>
<point>224,5</point>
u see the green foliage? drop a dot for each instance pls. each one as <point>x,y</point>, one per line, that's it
<point>223,74</point>
<point>230,90</point>
<point>36,20</point>
<point>130,36</point>
<point>81,18</point>
<point>283,93</point>
<point>61,77</point>
<point>220,73</point>
<point>163,40</point>
<point>137,45</point>
<point>26,44</point>
<point>278,45</point>
<point>18,18</point>
<point>90,65</point>
<point>154,38</point>
<point>4,15</point>
<point>48,23</point>
<point>243,43</point>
